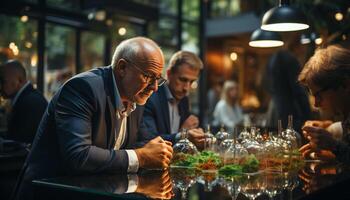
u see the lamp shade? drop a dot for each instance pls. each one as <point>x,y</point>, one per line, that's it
<point>262,38</point>
<point>284,18</point>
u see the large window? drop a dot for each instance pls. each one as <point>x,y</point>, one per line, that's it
<point>122,30</point>
<point>18,40</point>
<point>190,37</point>
<point>59,57</point>
<point>72,5</point>
<point>224,8</point>
<point>92,50</point>
<point>190,40</point>
<point>164,31</point>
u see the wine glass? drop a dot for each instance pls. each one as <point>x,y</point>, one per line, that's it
<point>235,153</point>
<point>253,186</point>
<point>292,136</point>
<point>183,179</point>
<point>209,140</point>
<point>184,145</point>
<point>221,135</point>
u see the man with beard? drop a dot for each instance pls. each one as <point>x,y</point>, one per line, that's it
<point>167,111</point>
<point>89,125</point>
<point>327,75</point>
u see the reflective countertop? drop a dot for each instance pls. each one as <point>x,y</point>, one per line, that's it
<point>311,181</point>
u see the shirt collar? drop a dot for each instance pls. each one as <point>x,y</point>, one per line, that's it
<point>168,94</point>
<point>14,100</point>
<point>118,101</point>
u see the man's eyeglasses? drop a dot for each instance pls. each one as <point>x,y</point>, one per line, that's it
<point>149,79</point>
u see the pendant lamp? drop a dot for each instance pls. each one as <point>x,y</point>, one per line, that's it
<point>284,18</point>
<point>263,39</point>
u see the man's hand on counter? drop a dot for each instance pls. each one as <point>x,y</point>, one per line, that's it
<point>156,154</point>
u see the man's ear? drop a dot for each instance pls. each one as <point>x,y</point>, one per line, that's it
<point>168,73</point>
<point>121,66</point>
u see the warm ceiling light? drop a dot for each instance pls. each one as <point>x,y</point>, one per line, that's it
<point>109,22</point>
<point>339,16</point>
<point>24,18</point>
<point>122,31</point>
<point>28,45</point>
<point>262,38</point>
<point>318,41</point>
<point>284,18</point>
<point>233,56</point>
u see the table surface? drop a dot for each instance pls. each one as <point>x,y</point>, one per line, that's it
<point>311,179</point>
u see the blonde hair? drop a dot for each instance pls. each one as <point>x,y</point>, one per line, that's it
<point>185,57</point>
<point>328,67</point>
<point>228,85</point>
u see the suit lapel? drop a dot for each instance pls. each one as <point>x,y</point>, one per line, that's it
<point>112,116</point>
<point>114,122</point>
<point>163,101</point>
<point>183,107</point>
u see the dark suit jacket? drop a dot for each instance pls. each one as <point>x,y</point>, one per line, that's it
<point>156,116</point>
<point>26,115</point>
<point>77,133</point>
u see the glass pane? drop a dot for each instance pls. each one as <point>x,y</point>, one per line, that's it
<point>224,8</point>
<point>190,37</point>
<point>30,1</point>
<point>168,6</point>
<point>59,58</point>
<point>92,48</point>
<point>64,4</point>
<point>164,31</point>
<point>124,30</point>
<point>18,40</point>
<point>191,10</point>
<point>168,52</point>
<point>147,2</point>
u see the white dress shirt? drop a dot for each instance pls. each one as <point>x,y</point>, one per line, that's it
<point>122,114</point>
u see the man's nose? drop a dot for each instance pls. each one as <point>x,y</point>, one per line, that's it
<point>317,102</point>
<point>187,85</point>
<point>153,86</point>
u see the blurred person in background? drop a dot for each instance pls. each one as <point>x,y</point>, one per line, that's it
<point>213,97</point>
<point>167,111</point>
<point>27,104</point>
<point>227,111</point>
<point>287,96</point>
<point>327,75</point>
<point>90,127</point>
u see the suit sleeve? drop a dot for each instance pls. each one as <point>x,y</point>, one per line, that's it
<point>74,111</point>
<point>150,123</point>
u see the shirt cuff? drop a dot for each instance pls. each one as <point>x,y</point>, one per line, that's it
<point>132,183</point>
<point>133,161</point>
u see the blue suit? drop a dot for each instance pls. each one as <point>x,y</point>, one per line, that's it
<point>156,115</point>
<point>77,133</point>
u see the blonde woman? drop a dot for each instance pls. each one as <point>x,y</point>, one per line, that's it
<point>227,111</point>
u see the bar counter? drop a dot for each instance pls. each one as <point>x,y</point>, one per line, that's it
<point>315,180</point>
